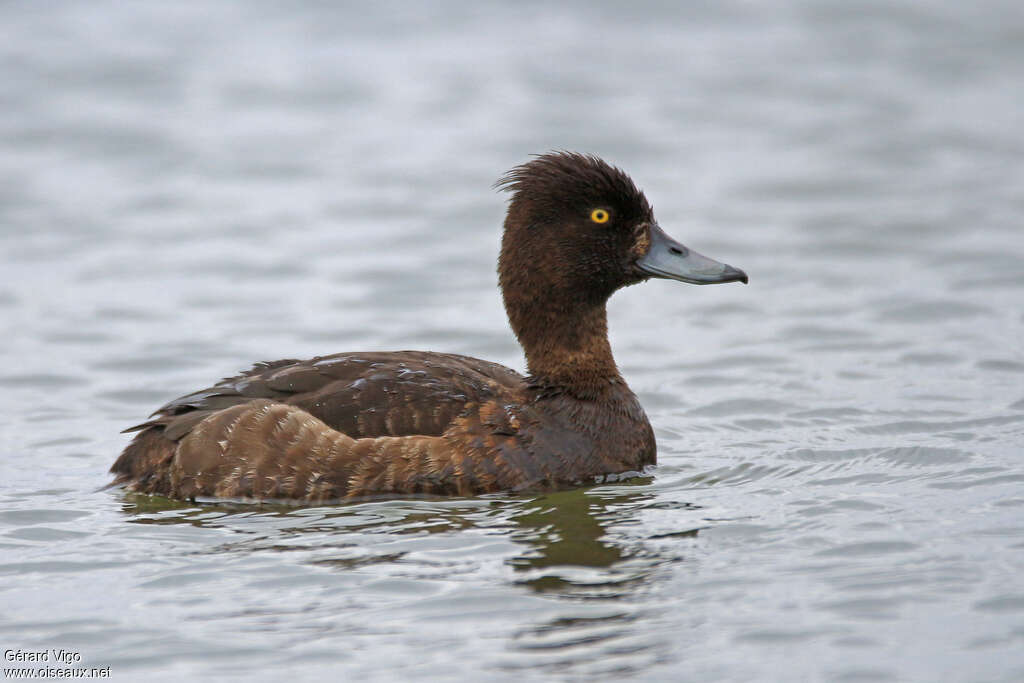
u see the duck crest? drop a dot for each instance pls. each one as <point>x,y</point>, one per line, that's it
<point>353,425</point>
<point>550,182</point>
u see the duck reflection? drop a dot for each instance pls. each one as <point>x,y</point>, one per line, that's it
<point>569,546</point>
<point>563,536</point>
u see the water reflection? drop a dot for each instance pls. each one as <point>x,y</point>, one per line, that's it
<point>569,544</point>
<point>568,570</point>
<point>557,543</point>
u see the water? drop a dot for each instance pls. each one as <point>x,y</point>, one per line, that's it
<point>188,188</point>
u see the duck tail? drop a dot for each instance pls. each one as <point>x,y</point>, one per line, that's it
<point>144,465</point>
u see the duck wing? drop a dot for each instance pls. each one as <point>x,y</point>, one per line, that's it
<point>400,393</point>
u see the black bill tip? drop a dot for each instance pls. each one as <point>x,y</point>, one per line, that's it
<point>668,259</point>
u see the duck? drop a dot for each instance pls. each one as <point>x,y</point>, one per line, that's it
<point>351,426</point>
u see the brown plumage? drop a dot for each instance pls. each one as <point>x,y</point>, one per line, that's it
<point>361,424</point>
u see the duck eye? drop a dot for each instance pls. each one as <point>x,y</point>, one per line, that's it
<point>599,216</point>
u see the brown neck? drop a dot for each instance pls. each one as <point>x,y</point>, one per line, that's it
<point>566,346</point>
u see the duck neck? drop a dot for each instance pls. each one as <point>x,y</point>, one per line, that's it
<point>566,346</point>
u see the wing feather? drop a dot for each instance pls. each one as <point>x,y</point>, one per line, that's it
<point>400,393</point>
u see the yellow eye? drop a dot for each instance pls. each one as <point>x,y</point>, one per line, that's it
<point>599,216</point>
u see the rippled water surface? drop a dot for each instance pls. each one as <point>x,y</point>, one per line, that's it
<point>186,188</point>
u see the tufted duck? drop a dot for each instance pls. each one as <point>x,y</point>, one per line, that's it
<point>352,425</point>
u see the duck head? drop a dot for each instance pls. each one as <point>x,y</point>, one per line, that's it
<point>578,229</point>
<point>583,225</point>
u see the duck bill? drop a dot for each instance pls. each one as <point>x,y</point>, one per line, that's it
<point>668,259</point>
